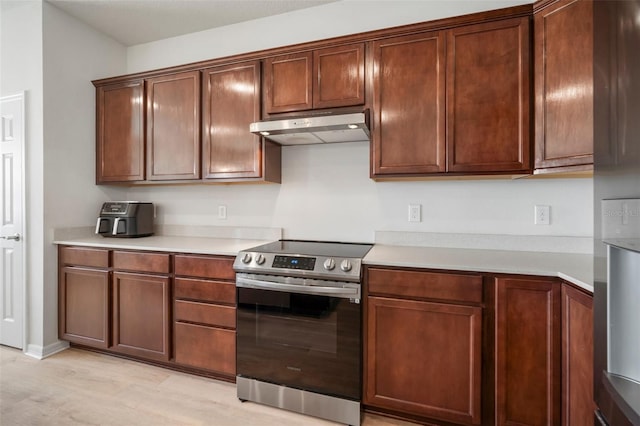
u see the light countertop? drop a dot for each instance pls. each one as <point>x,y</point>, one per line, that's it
<point>196,245</point>
<point>574,268</point>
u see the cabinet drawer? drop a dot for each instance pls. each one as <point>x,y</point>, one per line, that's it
<point>206,347</point>
<point>205,267</point>
<point>427,285</point>
<point>204,290</point>
<point>205,313</point>
<point>143,262</point>
<point>84,257</point>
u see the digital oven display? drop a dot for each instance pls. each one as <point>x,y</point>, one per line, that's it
<point>294,262</point>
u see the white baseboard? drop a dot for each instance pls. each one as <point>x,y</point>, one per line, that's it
<point>41,352</point>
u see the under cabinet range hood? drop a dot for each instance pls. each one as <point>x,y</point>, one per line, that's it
<point>315,129</point>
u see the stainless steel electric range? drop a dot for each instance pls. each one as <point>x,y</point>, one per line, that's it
<point>299,327</point>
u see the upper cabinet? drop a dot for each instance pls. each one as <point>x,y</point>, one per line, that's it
<point>197,126</point>
<point>323,78</point>
<point>488,112</point>
<point>173,126</point>
<point>230,103</point>
<point>409,105</point>
<point>120,132</point>
<point>563,39</point>
<point>454,101</point>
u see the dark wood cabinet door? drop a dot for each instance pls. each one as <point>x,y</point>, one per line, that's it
<point>173,126</point>
<point>527,358</point>
<point>141,315</point>
<point>338,76</point>
<point>488,97</point>
<point>120,132</point>
<point>211,348</point>
<point>424,359</point>
<point>563,42</point>
<point>84,306</point>
<point>577,357</point>
<point>231,102</point>
<point>409,105</point>
<point>288,83</point>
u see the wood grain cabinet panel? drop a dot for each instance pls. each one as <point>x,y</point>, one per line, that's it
<point>141,315</point>
<point>331,77</point>
<point>216,267</point>
<point>231,102</point>
<point>339,76</point>
<point>173,126</point>
<point>577,357</point>
<point>141,261</point>
<point>527,358</point>
<point>84,306</point>
<point>488,77</point>
<point>209,348</point>
<point>563,42</point>
<point>288,81</point>
<point>424,359</point>
<point>120,132</point>
<point>83,256</point>
<point>409,105</point>
<point>205,290</point>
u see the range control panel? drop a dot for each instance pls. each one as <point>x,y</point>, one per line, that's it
<point>318,267</point>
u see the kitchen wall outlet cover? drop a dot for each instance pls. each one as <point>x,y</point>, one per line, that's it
<point>415,213</point>
<point>542,215</point>
<point>222,212</point>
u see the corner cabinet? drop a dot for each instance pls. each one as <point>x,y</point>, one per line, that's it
<point>120,135</point>
<point>527,351</point>
<point>423,344</point>
<point>323,78</point>
<point>563,42</point>
<point>454,101</point>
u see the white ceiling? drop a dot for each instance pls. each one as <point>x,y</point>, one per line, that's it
<point>141,21</point>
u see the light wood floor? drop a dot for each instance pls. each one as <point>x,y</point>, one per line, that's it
<point>76,387</point>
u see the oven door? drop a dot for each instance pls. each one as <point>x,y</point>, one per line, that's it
<point>300,333</point>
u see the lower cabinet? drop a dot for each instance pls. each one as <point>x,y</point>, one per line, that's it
<point>174,309</point>
<point>423,344</point>
<point>141,315</point>
<point>205,313</point>
<point>84,292</point>
<point>527,351</point>
<point>577,357</point>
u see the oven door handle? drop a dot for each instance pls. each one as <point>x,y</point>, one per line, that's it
<point>342,292</point>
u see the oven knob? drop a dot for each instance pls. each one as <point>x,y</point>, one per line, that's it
<point>246,258</point>
<point>345,265</point>
<point>329,264</point>
<point>260,259</point>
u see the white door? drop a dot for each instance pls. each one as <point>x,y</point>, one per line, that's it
<point>11,221</point>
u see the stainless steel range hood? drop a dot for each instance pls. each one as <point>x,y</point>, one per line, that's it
<point>315,129</point>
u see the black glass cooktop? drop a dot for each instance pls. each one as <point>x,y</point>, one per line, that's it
<point>314,248</point>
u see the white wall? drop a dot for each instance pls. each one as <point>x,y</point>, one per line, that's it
<point>54,58</point>
<point>21,70</point>
<point>326,191</point>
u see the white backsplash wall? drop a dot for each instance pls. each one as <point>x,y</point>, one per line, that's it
<point>326,194</point>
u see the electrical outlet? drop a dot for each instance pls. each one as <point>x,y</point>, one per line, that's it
<point>542,215</point>
<point>414,213</point>
<point>222,212</point>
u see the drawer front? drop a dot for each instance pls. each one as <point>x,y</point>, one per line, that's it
<point>205,313</point>
<point>426,285</point>
<point>82,256</point>
<point>205,267</point>
<point>209,348</point>
<point>141,261</point>
<point>205,291</point>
